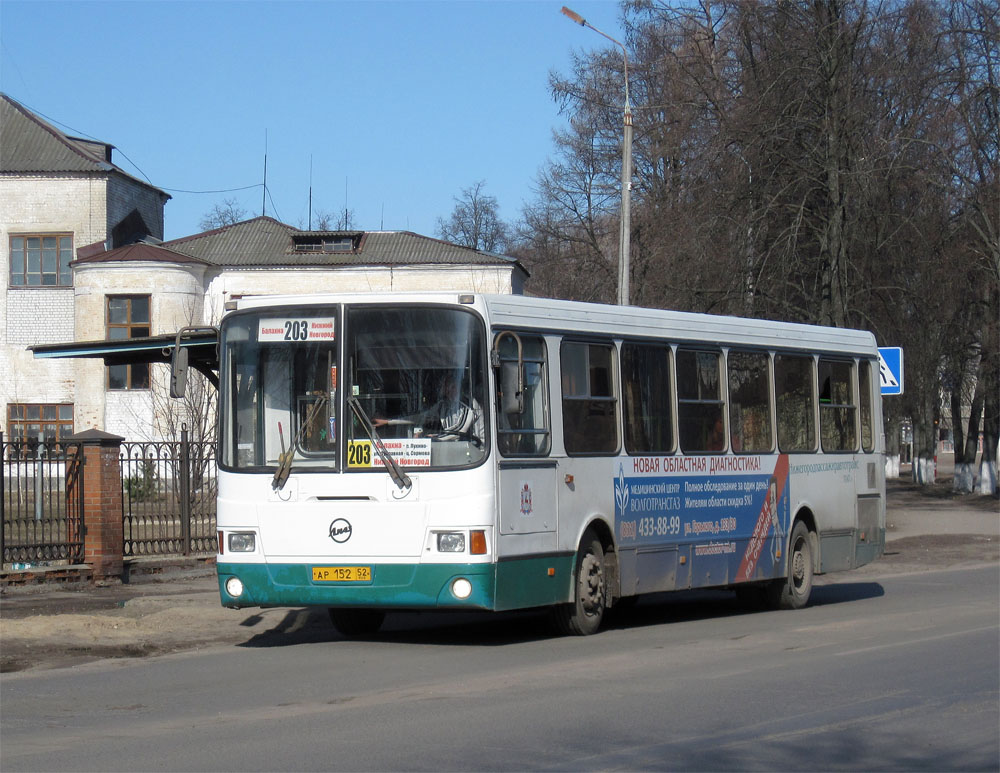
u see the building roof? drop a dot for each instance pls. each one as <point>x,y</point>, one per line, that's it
<point>138,251</point>
<point>30,145</point>
<point>263,242</point>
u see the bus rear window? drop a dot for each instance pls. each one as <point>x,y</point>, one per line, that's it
<point>838,411</point>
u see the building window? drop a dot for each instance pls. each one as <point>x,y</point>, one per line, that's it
<point>313,241</point>
<point>41,260</point>
<point>128,317</point>
<point>25,421</point>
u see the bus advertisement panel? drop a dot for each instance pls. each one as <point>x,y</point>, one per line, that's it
<point>731,511</point>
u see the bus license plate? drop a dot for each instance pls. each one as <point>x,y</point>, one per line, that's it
<point>342,573</point>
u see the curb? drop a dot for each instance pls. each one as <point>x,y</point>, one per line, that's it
<point>134,570</point>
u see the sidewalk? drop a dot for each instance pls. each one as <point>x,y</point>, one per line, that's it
<point>174,604</point>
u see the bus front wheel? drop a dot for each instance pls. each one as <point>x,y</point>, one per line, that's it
<point>793,591</point>
<point>583,615</point>
<point>356,622</point>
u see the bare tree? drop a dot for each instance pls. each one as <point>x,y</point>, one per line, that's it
<point>475,222</point>
<point>226,213</point>
<point>969,97</point>
<point>327,220</point>
<point>825,161</point>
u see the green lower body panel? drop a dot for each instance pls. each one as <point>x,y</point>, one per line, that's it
<point>534,581</point>
<point>392,586</point>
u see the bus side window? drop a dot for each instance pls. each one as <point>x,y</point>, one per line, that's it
<point>865,383</point>
<point>795,402</point>
<point>837,409</point>
<point>647,399</point>
<point>750,401</point>
<point>700,407</point>
<point>526,433</point>
<point>590,420</point>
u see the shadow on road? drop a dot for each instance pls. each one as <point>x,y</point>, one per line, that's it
<point>311,625</point>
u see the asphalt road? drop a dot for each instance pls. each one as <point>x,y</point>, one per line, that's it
<point>900,672</point>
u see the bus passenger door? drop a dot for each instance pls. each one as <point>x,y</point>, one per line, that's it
<point>527,496</point>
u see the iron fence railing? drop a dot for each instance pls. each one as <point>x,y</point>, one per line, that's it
<point>168,497</point>
<point>41,503</point>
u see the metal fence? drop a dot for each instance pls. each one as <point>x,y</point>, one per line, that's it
<point>168,497</point>
<point>41,503</point>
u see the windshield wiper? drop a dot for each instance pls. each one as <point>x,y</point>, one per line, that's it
<point>284,463</point>
<point>285,457</point>
<point>400,478</point>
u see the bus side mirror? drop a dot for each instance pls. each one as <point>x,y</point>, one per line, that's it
<point>178,371</point>
<point>511,388</point>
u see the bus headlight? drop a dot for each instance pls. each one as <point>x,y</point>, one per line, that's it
<point>234,587</point>
<point>242,542</point>
<point>451,542</point>
<point>461,588</point>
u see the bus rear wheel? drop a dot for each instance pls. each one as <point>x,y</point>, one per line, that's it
<point>583,615</point>
<point>793,591</point>
<point>356,622</point>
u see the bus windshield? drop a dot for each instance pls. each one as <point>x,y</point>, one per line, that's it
<point>280,390</point>
<point>417,373</point>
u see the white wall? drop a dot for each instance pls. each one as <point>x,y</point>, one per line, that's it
<point>272,281</point>
<point>177,300</point>
<point>38,204</point>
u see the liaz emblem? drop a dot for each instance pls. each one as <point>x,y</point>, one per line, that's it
<point>340,530</point>
<point>526,500</point>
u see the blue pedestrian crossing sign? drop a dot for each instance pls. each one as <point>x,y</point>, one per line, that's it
<point>890,368</point>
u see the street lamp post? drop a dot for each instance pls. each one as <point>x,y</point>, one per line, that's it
<point>625,232</point>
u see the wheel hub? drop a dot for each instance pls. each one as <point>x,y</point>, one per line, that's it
<point>592,585</point>
<point>798,567</point>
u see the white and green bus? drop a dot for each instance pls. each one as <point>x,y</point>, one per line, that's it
<point>482,452</point>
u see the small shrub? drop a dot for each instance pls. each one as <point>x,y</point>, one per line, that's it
<point>143,486</point>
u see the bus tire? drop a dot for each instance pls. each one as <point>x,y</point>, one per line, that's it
<point>793,591</point>
<point>356,622</point>
<point>583,615</point>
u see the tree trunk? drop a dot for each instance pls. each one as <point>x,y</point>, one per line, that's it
<point>965,455</point>
<point>893,429</point>
<point>989,371</point>
<point>925,443</point>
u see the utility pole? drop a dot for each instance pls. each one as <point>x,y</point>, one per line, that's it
<point>625,232</point>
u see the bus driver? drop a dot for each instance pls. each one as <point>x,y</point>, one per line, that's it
<point>447,419</point>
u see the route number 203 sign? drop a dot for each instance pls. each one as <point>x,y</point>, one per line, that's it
<point>296,329</point>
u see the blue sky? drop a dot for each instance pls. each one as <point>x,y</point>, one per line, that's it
<point>401,105</point>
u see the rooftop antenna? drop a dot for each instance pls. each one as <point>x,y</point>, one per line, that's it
<point>263,198</point>
<point>310,192</point>
<point>381,223</point>
<point>346,224</point>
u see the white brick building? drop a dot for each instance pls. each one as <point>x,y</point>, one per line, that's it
<point>57,194</point>
<point>110,276</point>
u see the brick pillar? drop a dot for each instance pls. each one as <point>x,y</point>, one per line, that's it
<point>104,538</point>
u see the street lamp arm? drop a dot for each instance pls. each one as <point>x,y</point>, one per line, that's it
<point>568,12</point>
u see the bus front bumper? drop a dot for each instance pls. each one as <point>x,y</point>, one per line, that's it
<point>392,586</point>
